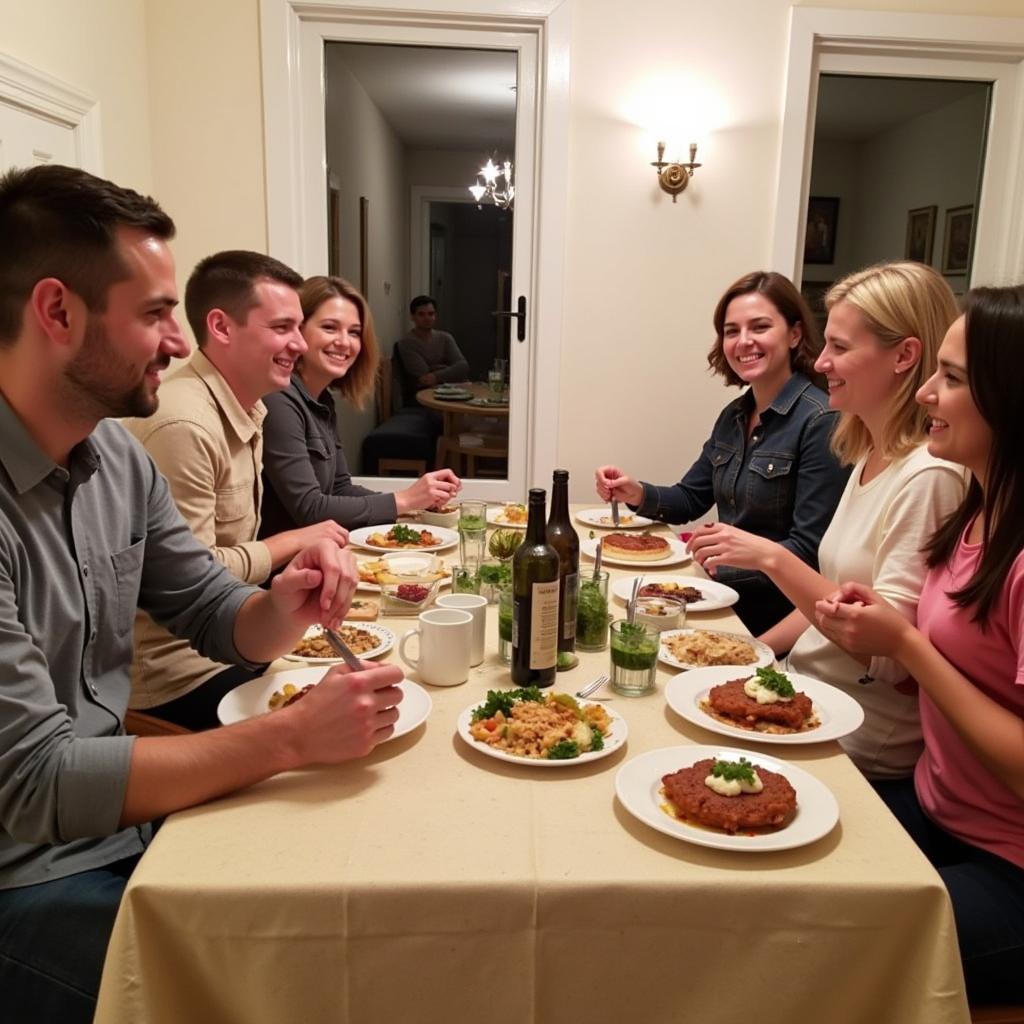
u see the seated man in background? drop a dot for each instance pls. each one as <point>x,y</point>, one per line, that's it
<point>429,357</point>
<point>88,531</point>
<point>207,440</point>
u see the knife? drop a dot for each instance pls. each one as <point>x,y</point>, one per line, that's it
<point>615,513</point>
<point>342,650</point>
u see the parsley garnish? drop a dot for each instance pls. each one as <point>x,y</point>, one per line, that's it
<point>741,770</point>
<point>502,700</point>
<point>404,534</point>
<point>596,738</point>
<point>771,679</point>
<point>564,750</point>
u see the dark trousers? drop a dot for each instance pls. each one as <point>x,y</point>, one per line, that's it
<point>197,709</point>
<point>53,939</point>
<point>987,893</point>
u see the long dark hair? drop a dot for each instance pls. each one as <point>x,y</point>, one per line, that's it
<point>994,332</point>
<point>792,307</point>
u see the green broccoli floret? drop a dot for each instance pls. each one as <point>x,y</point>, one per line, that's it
<point>564,750</point>
<point>596,738</point>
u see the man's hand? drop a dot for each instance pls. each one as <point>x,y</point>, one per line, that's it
<point>613,484</point>
<point>346,714</point>
<point>317,585</point>
<point>427,380</point>
<point>432,489</point>
<point>286,545</point>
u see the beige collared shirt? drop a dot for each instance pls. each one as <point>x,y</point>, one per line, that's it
<point>211,451</point>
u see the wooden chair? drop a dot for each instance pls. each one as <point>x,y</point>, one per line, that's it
<point>495,447</point>
<point>402,441</point>
<point>138,723</point>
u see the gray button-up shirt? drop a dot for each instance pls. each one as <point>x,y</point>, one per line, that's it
<point>79,549</point>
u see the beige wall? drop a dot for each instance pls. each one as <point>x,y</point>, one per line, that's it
<point>100,48</point>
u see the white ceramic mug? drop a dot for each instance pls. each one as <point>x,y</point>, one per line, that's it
<point>446,640</point>
<point>477,607</point>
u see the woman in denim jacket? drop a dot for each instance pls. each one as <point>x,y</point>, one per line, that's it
<point>768,465</point>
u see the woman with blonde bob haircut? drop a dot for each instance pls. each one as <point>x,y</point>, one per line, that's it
<point>884,328</point>
<point>305,472</point>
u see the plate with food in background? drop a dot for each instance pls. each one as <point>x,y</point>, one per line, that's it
<point>277,690</point>
<point>602,518</point>
<point>637,549</point>
<point>700,595</point>
<point>365,639</point>
<point>726,798</point>
<point>548,730</point>
<point>698,648</point>
<point>510,515</point>
<point>422,568</point>
<point>402,537</point>
<point>725,700</point>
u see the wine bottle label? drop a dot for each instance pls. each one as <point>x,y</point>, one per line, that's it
<point>544,625</point>
<point>570,583</point>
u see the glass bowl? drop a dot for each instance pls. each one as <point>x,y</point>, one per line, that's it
<point>408,598</point>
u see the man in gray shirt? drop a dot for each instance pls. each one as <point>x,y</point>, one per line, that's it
<point>88,531</point>
<point>428,356</point>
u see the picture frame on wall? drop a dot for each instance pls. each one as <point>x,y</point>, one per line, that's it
<point>920,243</point>
<point>820,239</point>
<point>956,244</point>
<point>333,231</point>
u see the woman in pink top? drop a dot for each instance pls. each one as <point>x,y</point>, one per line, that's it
<point>965,804</point>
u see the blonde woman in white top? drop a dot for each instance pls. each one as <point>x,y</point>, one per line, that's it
<point>884,327</point>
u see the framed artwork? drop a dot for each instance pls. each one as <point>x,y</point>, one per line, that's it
<point>820,240</point>
<point>364,220</point>
<point>920,234</point>
<point>956,246</point>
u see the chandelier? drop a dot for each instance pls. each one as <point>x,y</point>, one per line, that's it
<point>497,184</point>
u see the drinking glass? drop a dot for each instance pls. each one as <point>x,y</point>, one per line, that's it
<point>465,579</point>
<point>472,547</point>
<point>592,612</point>
<point>634,657</point>
<point>505,619</point>
<point>496,383</point>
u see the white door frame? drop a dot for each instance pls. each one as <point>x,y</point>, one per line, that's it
<point>47,97</point>
<point>288,127</point>
<point>942,46</point>
<point>420,198</point>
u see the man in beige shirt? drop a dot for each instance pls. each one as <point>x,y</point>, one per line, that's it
<point>206,438</point>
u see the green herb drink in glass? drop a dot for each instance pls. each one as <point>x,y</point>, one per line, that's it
<point>592,612</point>
<point>494,575</point>
<point>634,655</point>
<point>472,516</point>
<point>505,616</point>
<point>465,579</point>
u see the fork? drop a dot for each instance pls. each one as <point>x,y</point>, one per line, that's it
<point>342,649</point>
<point>592,687</point>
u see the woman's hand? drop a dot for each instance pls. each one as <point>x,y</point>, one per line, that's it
<point>861,622</point>
<point>614,485</point>
<point>432,489</point>
<point>716,544</point>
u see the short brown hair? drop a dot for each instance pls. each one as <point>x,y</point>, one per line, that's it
<point>62,222</point>
<point>898,299</point>
<point>227,280</point>
<point>782,294</point>
<point>357,385</point>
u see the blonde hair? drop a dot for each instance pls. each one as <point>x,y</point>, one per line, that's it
<point>897,300</point>
<point>357,385</point>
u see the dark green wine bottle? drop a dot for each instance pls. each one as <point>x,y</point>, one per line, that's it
<point>535,602</point>
<point>563,538</point>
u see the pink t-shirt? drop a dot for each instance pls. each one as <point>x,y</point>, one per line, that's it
<point>955,789</point>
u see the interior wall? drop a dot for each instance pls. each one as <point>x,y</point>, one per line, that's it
<point>375,168</point>
<point>64,38</point>
<point>452,168</point>
<point>835,171</point>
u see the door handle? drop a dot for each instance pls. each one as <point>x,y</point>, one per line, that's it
<point>519,314</point>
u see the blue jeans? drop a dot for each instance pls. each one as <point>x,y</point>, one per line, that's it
<point>53,939</point>
<point>987,893</point>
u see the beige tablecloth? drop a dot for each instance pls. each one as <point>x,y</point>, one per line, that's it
<point>429,882</point>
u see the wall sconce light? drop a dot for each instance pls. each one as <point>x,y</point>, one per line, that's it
<point>674,177</point>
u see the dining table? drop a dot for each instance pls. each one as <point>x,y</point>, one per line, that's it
<point>462,415</point>
<point>430,882</point>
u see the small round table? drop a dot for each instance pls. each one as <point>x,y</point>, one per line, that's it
<point>495,446</point>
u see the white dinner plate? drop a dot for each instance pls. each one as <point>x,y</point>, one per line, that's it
<point>638,787</point>
<point>250,699</point>
<point>715,595</point>
<point>496,517</point>
<point>837,711</point>
<point>765,655</point>
<point>678,555</point>
<point>602,518</point>
<point>615,739</point>
<point>359,538</point>
<point>385,641</point>
<point>407,563</point>
<point>453,395</point>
